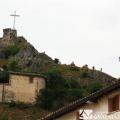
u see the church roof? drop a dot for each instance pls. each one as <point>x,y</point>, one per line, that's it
<point>76,104</point>
<point>28,74</point>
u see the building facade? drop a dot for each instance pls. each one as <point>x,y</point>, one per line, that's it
<point>103,108</point>
<point>101,105</point>
<point>22,87</point>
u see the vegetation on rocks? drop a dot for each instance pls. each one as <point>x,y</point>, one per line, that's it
<point>60,91</point>
<point>10,50</point>
<point>64,84</point>
<point>16,113</point>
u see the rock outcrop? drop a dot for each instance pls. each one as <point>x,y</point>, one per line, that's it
<point>16,48</point>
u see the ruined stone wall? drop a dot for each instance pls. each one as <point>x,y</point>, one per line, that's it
<point>9,37</point>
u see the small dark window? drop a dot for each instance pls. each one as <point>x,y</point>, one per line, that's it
<point>113,103</point>
<point>31,80</point>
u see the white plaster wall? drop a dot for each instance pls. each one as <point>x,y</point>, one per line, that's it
<point>100,109</point>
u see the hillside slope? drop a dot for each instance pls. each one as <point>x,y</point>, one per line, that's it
<point>14,49</point>
<point>17,54</point>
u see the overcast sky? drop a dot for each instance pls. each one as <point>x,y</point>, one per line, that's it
<point>83,31</point>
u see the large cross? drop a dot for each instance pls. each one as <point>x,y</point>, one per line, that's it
<point>14,15</point>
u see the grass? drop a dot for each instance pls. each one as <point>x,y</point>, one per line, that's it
<point>15,113</point>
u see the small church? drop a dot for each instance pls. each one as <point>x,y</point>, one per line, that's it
<point>22,87</point>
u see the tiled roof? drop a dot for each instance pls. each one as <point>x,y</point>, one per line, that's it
<point>27,74</point>
<point>76,104</point>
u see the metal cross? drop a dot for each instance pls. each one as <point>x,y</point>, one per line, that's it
<point>14,15</point>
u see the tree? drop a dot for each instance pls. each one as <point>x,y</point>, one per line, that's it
<point>74,94</point>
<point>55,79</point>
<point>11,50</point>
<point>94,86</point>
<point>84,74</point>
<point>56,60</point>
<point>13,66</point>
<point>54,95</point>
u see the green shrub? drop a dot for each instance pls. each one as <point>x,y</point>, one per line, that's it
<point>74,94</point>
<point>22,105</point>
<point>4,117</point>
<point>54,95</point>
<point>84,74</point>
<point>94,86</point>
<point>13,66</point>
<point>58,91</point>
<point>74,68</point>
<point>43,100</point>
<point>12,104</point>
<point>55,79</point>
<point>51,98</point>
<point>11,50</point>
<point>56,60</point>
<point>73,84</point>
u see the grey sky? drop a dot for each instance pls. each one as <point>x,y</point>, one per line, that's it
<point>83,31</point>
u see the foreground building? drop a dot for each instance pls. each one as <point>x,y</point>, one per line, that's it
<point>22,87</point>
<point>101,105</point>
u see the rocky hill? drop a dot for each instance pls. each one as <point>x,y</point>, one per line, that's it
<point>16,50</point>
<point>17,54</point>
<point>73,82</point>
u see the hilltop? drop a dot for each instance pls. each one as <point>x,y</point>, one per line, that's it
<point>65,82</point>
<point>18,51</point>
<point>17,54</point>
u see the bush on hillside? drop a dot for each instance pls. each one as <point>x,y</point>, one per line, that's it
<point>4,117</point>
<point>74,94</point>
<point>55,79</point>
<point>94,86</point>
<point>56,60</point>
<point>12,104</point>
<point>58,91</point>
<point>51,98</point>
<point>74,68</point>
<point>13,66</point>
<point>11,50</point>
<point>84,74</point>
<point>55,92</point>
<point>72,83</point>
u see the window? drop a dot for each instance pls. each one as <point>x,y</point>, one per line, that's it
<point>31,79</point>
<point>113,103</point>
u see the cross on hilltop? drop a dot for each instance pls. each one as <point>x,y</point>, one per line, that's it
<point>14,15</point>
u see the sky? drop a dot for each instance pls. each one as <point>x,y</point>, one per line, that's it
<point>83,31</point>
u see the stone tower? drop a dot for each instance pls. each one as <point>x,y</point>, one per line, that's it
<point>9,34</point>
<point>9,37</point>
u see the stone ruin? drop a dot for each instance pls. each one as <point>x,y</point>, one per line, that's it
<point>9,37</point>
